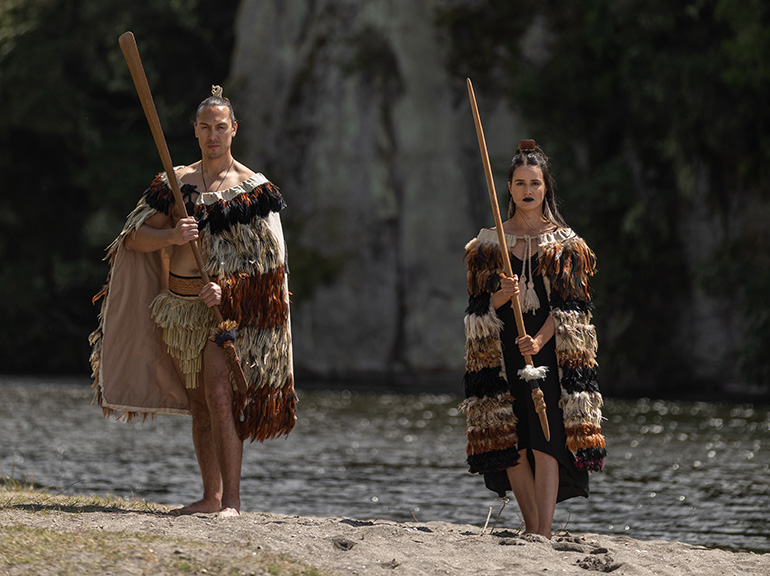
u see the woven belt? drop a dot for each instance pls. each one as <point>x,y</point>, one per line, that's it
<point>184,285</point>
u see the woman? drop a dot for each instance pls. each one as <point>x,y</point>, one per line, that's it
<point>505,440</point>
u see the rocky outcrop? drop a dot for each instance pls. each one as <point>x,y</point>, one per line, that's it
<point>349,108</point>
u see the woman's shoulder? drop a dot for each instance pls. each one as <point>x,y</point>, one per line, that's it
<point>487,235</point>
<point>481,247</point>
<point>563,239</point>
<point>558,235</point>
<point>564,244</point>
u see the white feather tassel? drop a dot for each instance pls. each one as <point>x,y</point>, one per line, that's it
<point>530,373</point>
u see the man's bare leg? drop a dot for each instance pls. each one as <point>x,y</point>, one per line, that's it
<point>208,463</point>
<point>227,444</point>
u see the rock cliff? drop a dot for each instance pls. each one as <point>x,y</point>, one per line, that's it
<point>349,108</point>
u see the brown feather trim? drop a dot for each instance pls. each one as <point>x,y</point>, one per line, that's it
<point>483,353</point>
<point>481,441</point>
<point>576,358</point>
<point>582,430</point>
<point>479,281</point>
<point>490,423</point>
<point>580,443</point>
<point>568,267</point>
<point>484,262</point>
<point>266,412</point>
<point>255,300</point>
<point>583,437</point>
<point>483,255</point>
<point>488,411</point>
<point>101,293</point>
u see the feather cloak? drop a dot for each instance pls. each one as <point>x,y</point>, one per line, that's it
<point>242,240</point>
<point>566,264</point>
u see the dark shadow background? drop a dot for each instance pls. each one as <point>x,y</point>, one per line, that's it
<point>657,94</point>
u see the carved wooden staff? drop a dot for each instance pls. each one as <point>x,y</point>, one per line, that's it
<point>529,373</point>
<point>226,330</point>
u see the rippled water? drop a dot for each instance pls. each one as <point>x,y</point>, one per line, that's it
<point>691,472</point>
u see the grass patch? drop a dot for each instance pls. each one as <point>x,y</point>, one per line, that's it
<point>41,533</point>
<point>40,500</point>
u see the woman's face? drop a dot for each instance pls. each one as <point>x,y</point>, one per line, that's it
<point>527,188</point>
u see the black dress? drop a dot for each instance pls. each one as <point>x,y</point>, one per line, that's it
<point>572,482</point>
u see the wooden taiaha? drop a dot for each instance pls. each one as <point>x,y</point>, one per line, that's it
<point>537,393</point>
<point>131,53</point>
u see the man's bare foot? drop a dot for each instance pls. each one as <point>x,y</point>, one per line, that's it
<point>199,507</point>
<point>228,513</point>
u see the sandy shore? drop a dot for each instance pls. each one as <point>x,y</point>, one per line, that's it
<point>123,537</point>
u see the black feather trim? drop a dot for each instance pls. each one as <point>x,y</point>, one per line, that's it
<point>592,453</point>
<point>582,379</point>
<point>225,336</point>
<point>570,304</point>
<point>478,304</point>
<point>492,461</point>
<point>485,382</point>
<point>493,283</point>
<point>159,196</point>
<point>590,459</point>
<point>242,209</point>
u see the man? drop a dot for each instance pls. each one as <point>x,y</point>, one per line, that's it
<point>154,350</point>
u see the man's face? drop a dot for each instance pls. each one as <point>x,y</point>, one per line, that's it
<point>215,131</point>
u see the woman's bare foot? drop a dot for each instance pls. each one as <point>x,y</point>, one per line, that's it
<point>534,536</point>
<point>228,513</point>
<point>199,507</point>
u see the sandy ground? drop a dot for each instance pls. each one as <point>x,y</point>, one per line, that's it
<point>343,546</point>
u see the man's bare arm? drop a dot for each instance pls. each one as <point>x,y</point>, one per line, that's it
<point>157,233</point>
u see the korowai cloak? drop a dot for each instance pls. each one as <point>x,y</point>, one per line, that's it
<point>242,240</point>
<point>566,264</point>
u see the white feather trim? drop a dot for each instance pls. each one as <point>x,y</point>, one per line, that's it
<point>484,326</point>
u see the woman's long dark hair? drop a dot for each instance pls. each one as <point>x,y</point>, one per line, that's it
<point>530,154</point>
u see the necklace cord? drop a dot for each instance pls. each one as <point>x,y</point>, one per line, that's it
<point>203,178</point>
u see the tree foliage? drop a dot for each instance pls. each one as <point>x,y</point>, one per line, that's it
<point>75,150</point>
<point>656,111</point>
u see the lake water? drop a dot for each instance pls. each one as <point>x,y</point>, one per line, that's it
<point>690,472</point>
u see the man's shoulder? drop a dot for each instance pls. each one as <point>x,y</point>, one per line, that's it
<point>244,172</point>
<point>161,178</point>
<point>184,172</point>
